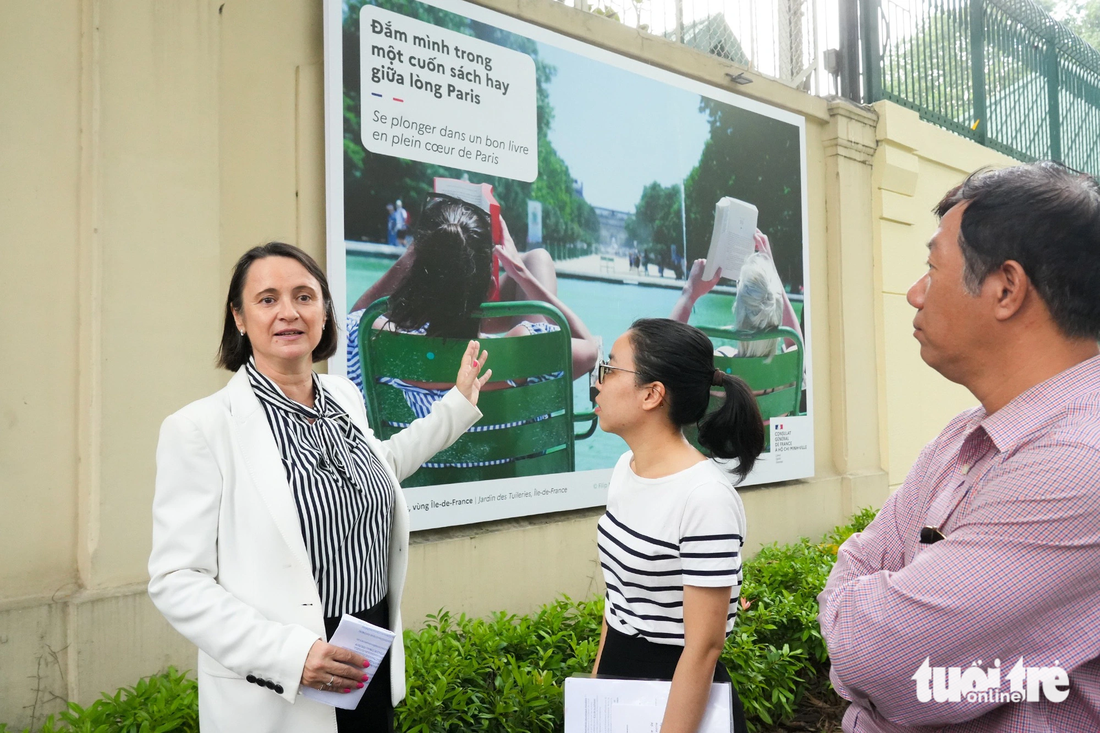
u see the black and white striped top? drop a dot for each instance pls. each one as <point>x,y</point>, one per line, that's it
<point>343,494</point>
<point>659,535</point>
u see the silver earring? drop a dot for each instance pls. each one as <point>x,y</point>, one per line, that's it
<point>242,333</point>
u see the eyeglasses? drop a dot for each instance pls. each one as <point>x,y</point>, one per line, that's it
<point>603,368</point>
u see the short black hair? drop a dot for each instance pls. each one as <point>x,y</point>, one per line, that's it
<point>1045,217</point>
<point>235,349</point>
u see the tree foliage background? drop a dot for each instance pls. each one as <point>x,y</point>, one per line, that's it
<point>371,181</point>
<point>747,157</point>
<point>1080,16</point>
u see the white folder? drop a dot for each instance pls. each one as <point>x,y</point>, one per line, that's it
<point>598,705</point>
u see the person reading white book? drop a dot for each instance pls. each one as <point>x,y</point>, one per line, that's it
<point>761,304</point>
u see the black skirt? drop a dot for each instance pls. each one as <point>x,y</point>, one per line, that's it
<point>632,657</point>
<point>374,714</point>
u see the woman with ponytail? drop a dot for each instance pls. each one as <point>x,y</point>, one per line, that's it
<point>670,541</point>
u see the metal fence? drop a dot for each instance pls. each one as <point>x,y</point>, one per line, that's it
<point>776,38</point>
<point>1001,72</point>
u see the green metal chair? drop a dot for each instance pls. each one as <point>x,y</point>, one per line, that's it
<point>542,442</point>
<point>776,380</point>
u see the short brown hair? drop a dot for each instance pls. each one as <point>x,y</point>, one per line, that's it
<point>236,349</point>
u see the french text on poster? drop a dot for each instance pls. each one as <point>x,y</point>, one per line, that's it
<point>438,96</point>
<point>484,501</point>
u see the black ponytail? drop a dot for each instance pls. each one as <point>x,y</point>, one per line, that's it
<point>450,274</point>
<point>681,357</point>
<point>735,429</point>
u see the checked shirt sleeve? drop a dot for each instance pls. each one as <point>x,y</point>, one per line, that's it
<point>1018,576</point>
<point>878,548</point>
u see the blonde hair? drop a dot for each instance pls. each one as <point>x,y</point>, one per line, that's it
<point>759,304</point>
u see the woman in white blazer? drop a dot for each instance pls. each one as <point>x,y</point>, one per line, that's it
<point>277,510</point>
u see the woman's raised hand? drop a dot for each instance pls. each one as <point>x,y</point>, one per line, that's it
<point>333,668</point>
<point>468,381</point>
<point>696,287</point>
<point>510,258</point>
<point>761,244</point>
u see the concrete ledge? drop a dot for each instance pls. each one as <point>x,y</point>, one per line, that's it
<point>35,670</point>
<point>904,129</point>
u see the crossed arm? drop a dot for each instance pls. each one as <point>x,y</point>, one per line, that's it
<point>1019,576</point>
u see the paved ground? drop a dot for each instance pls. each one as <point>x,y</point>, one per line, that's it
<point>589,267</point>
<point>617,269</point>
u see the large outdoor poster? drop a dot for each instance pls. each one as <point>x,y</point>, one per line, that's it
<point>492,179</point>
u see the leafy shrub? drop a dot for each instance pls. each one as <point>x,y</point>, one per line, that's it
<point>158,704</point>
<point>501,674</point>
<point>775,654</point>
<point>505,674</point>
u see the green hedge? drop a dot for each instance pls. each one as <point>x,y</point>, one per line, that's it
<point>504,674</point>
<point>165,702</point>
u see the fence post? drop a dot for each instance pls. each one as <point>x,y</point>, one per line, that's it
<point>977,68</point>
<point>849,50</point>
<point>1054,112</point>
<point>872,51</point>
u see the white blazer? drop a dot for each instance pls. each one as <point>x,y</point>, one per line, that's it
<point>229,568</point>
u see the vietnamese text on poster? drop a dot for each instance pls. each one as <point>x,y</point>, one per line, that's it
<point>603,180</point>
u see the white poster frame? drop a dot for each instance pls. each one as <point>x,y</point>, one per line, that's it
<point>481,501</point>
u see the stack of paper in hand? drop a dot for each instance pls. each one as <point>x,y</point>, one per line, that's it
<point>731,241</point>
<point>366,640</point>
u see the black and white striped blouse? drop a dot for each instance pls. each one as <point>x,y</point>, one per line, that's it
<point>343,494</point>
<point>659,535</point>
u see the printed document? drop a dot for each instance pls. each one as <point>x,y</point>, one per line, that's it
<point>594,705</point>
<point>366,640</point>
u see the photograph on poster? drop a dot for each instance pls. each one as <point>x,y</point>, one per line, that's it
<point>505,183</point>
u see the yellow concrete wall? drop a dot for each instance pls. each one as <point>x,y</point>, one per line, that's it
<point>40,217</point>
<point>147,143</point>
<point>915,164</point>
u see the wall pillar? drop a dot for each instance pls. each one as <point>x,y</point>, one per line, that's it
<point>849,147</point>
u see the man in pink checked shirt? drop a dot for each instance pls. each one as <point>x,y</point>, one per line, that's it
<point>989,553</point>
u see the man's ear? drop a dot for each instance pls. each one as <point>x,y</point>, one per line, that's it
<point>654,396</point>
<point>1011,286</point>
